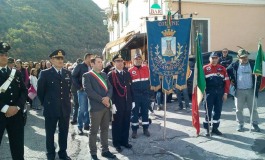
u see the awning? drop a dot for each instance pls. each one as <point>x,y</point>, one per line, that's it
<point>118,41</point>
<point>138,40</point>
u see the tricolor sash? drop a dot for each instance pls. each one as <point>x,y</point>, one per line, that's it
<point>100,79</point>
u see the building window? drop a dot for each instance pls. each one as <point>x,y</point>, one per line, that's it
<point>202,27</point>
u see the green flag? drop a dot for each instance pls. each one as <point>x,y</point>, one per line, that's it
<point>259,63</point>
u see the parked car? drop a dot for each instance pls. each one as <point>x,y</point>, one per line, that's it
<point>205,57</point>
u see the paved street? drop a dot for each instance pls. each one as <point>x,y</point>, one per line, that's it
<point>180,143</point>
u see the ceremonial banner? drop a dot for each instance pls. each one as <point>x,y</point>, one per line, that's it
<point>168,52</point>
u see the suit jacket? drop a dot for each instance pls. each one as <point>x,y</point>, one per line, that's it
<point>95,91</point>
<point>54,92</point>
<point>16,94</point>
<point>77,74</point>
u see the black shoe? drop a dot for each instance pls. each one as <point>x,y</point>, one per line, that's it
<point>65,158</point>
<point>134,134</point>
<point>217,132</point>
<point>118,149</point>
<point>94,157</point>
<point>127,146</point>
<point>256,128</point>
<point>108,154</point>
<point>73,122</point>
<point>240,128</point>
<point>146,133</point>
<point>178,109</point>
<point>80,132</point>
<point>87,128</point>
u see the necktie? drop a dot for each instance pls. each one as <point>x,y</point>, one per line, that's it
<point>59,72</point>
<point>3,70</point>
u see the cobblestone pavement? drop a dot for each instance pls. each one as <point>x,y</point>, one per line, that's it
<point>181,142</point>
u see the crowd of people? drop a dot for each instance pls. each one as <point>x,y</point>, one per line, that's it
<point>113,94</point>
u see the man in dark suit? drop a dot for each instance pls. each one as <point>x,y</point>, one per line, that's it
<point>13,95</point>
<point>99,92</point>
<point>122,100</point>
<point>54,86</point>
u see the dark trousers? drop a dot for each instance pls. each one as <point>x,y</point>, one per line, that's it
<point>121,126</point>
<point>75,106</point>
<point>15,130</point>
<point>50,127</point>
<point>214,103</point>
<point>142,104</point>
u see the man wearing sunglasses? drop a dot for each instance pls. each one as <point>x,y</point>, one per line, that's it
<point>225,60</point>
<point>54,86</point>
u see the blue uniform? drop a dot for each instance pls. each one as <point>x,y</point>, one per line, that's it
<point>54,94</point>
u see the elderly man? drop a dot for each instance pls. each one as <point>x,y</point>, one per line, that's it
<point>240,74</point>
<point>217,88</point>
<point>54,86</point>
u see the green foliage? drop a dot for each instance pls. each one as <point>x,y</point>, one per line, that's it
<point>36,28</point>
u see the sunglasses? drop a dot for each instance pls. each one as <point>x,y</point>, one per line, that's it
<point>59,58</point>
<point>119,61</point>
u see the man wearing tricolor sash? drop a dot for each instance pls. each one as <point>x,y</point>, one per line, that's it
<point>99,92</point>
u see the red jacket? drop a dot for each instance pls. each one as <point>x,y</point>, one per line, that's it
<point>216,78</point>
<point>140,79</point>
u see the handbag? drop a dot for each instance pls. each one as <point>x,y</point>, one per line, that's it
<point>25,116</point>
<point>32,92</point>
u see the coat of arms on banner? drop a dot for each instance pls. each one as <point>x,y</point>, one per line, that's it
<point>168,50</point>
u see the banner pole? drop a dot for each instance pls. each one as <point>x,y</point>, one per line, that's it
<point>165,109</point>
<point>207,113</point>
<point>253,103</point>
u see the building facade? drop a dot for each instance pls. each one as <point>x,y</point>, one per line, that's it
<point>222,23</point>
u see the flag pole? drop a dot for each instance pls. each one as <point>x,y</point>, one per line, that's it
<point>165,109</point>
<point>253,103</point>
<point>207,112</point>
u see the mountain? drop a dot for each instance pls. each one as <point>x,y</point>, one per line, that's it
<point>35,28</point>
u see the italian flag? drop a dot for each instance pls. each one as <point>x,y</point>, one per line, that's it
<point>199,85</point>
<point>259,68</point>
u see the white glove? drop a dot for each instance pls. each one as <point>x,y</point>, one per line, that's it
<point>133,105</point>
<point>114,109</point>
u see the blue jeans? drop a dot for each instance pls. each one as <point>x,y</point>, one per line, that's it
<point>84,105</point>
<point>158,98</point>
<point>185,96</point>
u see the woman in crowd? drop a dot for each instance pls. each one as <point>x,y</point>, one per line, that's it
<point>33,88</point>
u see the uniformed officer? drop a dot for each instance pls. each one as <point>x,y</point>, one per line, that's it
<point>217,88</point>
<point>122,100</point>
<point>13,95</point>
<point>54,86</point>
<point>140,89</point>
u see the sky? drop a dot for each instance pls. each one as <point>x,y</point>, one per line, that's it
<point>102,3</point>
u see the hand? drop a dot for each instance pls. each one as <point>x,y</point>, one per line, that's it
<point>133,104</point>
<point>225,97</point>
<point>12,110</point>
<point>105,101</point>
